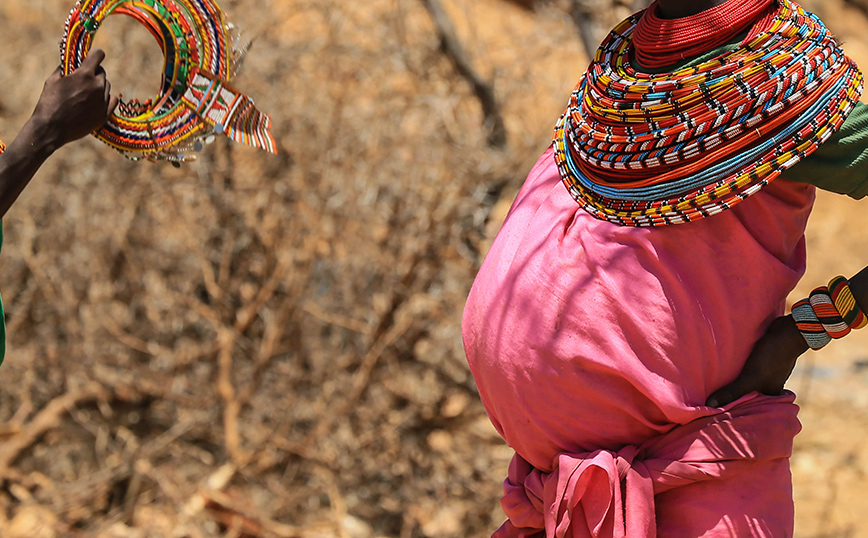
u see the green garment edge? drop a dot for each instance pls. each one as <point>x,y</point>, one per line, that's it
<point>840,165</point>
<point>2,313</point>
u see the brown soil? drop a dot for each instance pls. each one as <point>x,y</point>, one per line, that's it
<point>257,346</point>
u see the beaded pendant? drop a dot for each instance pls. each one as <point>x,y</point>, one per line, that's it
<point>196,103</point>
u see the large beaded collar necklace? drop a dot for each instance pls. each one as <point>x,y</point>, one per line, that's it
<point>642,149</point>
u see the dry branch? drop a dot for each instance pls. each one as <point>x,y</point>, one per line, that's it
<point>595,18</point>
<point>46,419</point>
<point>483,90</point>
<point>586,15</point>
<point>226,390</point>
<point>860,4</point>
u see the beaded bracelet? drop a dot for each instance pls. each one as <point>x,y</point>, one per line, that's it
<point>830,312</point>
<point>810,327</point>
<point>827,313</point>
<point>846,303</point>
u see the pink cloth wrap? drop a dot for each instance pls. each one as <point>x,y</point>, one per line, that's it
<point>606,493</point>
<point>595,346</point>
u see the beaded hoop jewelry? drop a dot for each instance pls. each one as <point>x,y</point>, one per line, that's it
<point>829,313</point>
<point>195,102</point>
<point>639,149</point>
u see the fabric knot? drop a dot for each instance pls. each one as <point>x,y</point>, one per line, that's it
<point>610,494</point>
<point>595,494</point>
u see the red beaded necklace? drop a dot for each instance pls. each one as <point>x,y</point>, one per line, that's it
<point>662,42</point>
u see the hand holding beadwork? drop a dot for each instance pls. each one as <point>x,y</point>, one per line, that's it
<point>201,55</point>
<point>75,105</point>
<point>69,108</point>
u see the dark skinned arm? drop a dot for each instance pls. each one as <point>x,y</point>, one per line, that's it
<point>774,356</point>
<point>69,108</point>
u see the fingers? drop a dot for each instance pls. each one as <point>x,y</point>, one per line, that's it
<point>113,104</point>
<point>745,383</point>
<point>111,101</point>
<point>102,80</point>
<point>724,396</point>
<point>93,60</point>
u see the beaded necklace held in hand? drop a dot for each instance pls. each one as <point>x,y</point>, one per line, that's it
<point>195,102</point>
<point>639,149</point>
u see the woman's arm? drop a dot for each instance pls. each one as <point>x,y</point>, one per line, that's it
<point>774,356</point>
<point>69,108</point>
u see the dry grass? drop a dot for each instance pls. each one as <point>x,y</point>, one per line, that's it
<point>258,346</point>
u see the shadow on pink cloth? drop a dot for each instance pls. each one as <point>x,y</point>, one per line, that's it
<point>605,494</point>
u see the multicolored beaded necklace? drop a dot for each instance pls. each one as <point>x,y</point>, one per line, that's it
<point>640,149</point>
<point>195,102</point>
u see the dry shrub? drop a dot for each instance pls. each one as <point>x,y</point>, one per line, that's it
<point>256,345</point>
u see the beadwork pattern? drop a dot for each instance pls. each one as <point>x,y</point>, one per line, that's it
<point>810,327</point>
<point>830,312</point>
<point>827,313</point>
<point>195,103</point>
<point>845,303</point>
<point>639,149</point>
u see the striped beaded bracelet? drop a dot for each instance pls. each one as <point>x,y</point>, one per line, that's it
<point>810,327</point>
<point>844,301</point>
<point>830,312</point>
<point>827,314</point>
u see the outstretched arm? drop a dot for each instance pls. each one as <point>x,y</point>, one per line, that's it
<point>69,108</point>
<point>774,356</point>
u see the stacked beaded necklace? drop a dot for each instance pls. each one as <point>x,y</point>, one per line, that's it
<point>196,102</point>
<point>640,149</point>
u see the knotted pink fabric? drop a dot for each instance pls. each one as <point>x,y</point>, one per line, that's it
<point>611,494</point>
<point>586,338</point>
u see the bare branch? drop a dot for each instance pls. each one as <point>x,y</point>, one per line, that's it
<point>595,18</point>
<point>45,420</point>
<point>484,91</point>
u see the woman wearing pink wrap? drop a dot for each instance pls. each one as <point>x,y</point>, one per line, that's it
<point>627,329</point>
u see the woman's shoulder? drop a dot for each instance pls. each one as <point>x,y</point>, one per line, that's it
<point>840,164</point>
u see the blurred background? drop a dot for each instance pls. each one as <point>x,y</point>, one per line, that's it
<point>257,346</point>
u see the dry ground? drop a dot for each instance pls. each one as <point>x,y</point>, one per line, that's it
<point>257,346</point>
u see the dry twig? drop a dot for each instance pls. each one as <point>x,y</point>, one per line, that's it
<point>483,90</point>
<point>48,418</point>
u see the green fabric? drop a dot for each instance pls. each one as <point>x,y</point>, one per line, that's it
<point>2,313</point>
<point>840,165</point>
